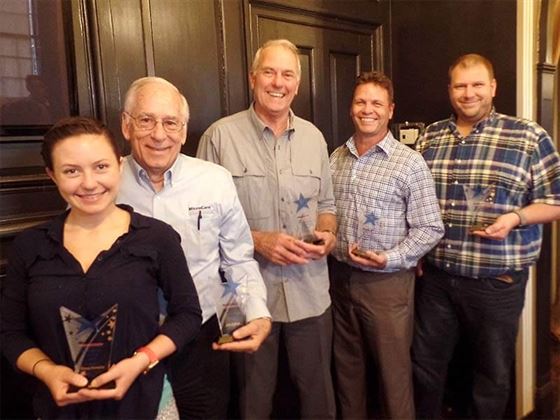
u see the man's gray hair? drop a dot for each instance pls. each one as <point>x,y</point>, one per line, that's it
<point>276,43</point>
<point>130,97</point>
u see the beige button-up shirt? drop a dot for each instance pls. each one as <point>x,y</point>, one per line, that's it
<point>283,184</point>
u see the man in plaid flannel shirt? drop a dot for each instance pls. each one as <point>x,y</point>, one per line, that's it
<point>497,180</point>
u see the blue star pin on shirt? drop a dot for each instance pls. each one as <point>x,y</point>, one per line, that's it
<point>371,218</point>
<point>302,202</point>
<point>230,288</point>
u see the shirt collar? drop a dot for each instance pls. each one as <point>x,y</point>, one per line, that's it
<point>260,126</point>
<point>386,145</point>
<point>479,125</point>
<point>54,229</point>
<point>141,174</point>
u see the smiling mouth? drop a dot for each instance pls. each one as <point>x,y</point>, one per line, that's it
<point>469,103</point>
<point>277,94</point>
<point>158,149</point>
<point>368,120</point>
<point>92,196</point>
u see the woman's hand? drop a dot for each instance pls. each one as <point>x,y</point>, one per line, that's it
<point>123,373</point>
<point>58,379</point>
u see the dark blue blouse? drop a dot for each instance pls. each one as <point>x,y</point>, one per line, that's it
<point>42,276</point>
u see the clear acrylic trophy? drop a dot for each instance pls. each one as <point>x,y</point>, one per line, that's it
<point>480,201</point>
<point>364,231</point>
<point>305,228</point>
<point>90,342</point>
<point>230,311</point>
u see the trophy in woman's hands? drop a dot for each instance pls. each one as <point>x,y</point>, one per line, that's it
<point>90,342</point>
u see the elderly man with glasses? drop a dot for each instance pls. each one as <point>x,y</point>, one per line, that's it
<point>199,200</point>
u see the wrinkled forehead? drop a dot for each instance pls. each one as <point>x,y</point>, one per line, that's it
<point>158,100</point>
<point>279,55</point>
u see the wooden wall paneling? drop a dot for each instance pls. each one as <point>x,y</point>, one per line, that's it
<point>427,36</point>
<point>80,53</point>
<point>186,46</point>
<point>326,44</point>
<point>369,11</point>
<point>342,66</point>
<point>28,196</point>
<point>234,67</point>
<point>119,54</point>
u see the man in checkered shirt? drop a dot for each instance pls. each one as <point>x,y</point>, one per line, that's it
<point>388,218</point>
<point>497,179</point>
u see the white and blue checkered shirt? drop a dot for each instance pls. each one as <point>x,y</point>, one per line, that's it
<point>385,202</point>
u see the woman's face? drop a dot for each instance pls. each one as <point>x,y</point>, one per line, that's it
<point>87,173</point>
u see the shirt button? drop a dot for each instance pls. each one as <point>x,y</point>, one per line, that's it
<point>447,265</point>
<point>462,141</point>
<point>455,182</point>
<point>283,226</point>
<point>282,199</point>
<point>453,204</point>
<point>458,160</point>
<point>449,246</point>
<point>450,225</point>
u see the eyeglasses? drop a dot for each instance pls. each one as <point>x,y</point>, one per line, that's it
<point>147,122</point>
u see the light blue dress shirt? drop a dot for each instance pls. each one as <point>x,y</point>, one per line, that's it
<point>199,200</point>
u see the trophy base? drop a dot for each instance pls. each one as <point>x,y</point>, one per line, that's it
<point>223,339</point>
<point>312,239</point>
<point>361,253</point>
<point>478,226</point>
<point>109,385</point>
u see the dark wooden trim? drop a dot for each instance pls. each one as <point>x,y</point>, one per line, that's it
<point>222,59</point>
<point>17,225</point>
<point>85,92</point>
<point>148,34</point>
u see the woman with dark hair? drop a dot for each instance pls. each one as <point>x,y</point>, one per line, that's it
<point>79,308</point>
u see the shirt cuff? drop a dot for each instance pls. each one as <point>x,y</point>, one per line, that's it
<point>394,260</point>
<point>256,308</point>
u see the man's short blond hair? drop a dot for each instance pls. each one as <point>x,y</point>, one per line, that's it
<point>469,60</point>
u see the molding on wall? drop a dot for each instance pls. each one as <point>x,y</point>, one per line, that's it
<point>145,7</point>
<point>525,360</point>
<point>223,65</point>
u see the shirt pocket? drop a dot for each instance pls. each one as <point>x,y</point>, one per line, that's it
<point>200,233</point>
<point>307,176</point>
<point>252,189</point>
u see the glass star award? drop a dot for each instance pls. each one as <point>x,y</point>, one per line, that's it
<point>366,223</point>
<point>480,201</point>
<point>90,342</point>
<point>305,226</point>
<point>230,311</point>
<point>306,233</point>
